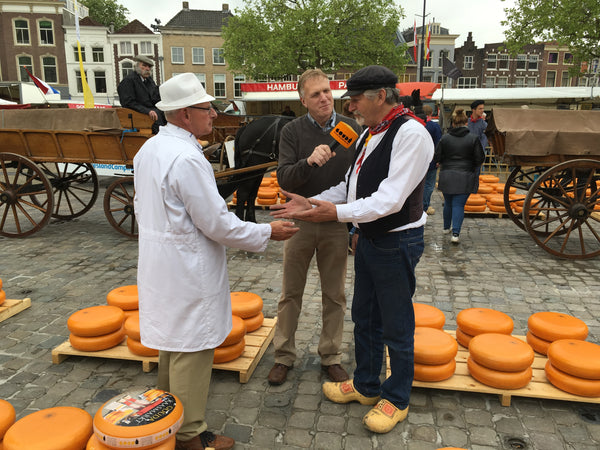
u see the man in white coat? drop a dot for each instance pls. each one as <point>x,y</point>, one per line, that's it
<point>184,229</point>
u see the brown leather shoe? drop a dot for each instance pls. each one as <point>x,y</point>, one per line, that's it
<point>206,440</point>
<point>278,374</point>
<point>336,373</point>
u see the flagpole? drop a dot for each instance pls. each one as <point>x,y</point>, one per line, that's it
<point>422,48</point>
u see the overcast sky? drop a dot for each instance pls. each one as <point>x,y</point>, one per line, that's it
<point>482,17</point>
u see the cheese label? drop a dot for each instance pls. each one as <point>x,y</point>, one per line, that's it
<point>137,408</point>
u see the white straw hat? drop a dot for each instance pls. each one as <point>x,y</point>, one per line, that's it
<point>181,91</point>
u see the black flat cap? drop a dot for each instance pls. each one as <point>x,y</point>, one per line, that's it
<point>144,59</point>
<point>370,77</point>
<point>476,103</point>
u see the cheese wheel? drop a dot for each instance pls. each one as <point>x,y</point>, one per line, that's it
<point>496,208</point>
<point>537,344</point>
<point>267,201</point>
<point>476,321</point>
<point>485,188</point>
<point>428,316</point>
<point>7,417</point>
<point>265,182</point>
<point>501,352</point>
<point>495,199</point>
<point>473,208</point>
<point>552,326</point>
<point>97,343</point>
<point>237,333</point>
<point>229,353</point>
<point>245,304</point>
<point>575,357</point>
<point>489,179</point>
<point>2,296</point>
<point>132,326</point>
<point>138,419</point>
<point>131,312</point>
<point>124,297</point>
<point>498,379</point>
<point>137,348</point>
<point>96,321</point>
<point>434,346</point>
<point>440,372</point>
<point>463,338</point>
<point>571,384</point>
<point>254,323</point>
<point>475,200</point>
<point>0,283</point>
<point>267,193</point>
<point>95,444</point>
<point>58,428</point>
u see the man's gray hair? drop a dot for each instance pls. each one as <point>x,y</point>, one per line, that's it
<point>392,95</point>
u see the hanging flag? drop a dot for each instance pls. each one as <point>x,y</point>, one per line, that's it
<point>427,42</point>
<point>450,70</point>
<point>415,40</point>
<point>88,98</point>
<point>41,84</point>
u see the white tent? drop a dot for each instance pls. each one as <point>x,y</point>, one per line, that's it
<point>495,96</point>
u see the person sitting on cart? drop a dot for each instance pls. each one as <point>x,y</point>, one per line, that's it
<point>139,92</point>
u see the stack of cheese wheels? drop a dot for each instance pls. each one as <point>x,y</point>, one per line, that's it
<point>124,297</point>
<point>139,419</point>
<point>495,203</point>
<point>428,316</point>
<point>96,328</point>
<point>574,366</point>
<point>132,330</point>
<point>2,293</point>
<point>435,353</point>
<point>95,444</point>
<point>474,321</point>
<point>267,192</point>
<point>500,361</point>
<point>546,327</point>
<point>475,203</point>
<point>7,418</point>
<point>234,344</point>
<point>248,306</point>
<point>58,428</point>
<point>234,198</point>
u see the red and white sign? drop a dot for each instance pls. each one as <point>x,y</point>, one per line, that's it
<point>286,86</point>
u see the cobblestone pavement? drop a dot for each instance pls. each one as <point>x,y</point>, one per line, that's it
<point>71,265</point>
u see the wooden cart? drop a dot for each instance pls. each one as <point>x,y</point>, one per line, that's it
<point>555,160</point>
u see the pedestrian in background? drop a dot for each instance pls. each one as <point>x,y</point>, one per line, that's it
<point>436,134</point>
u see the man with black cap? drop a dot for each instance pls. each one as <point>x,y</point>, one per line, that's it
<point>477,123</point>
<point>139,92</point>
<point>382,195</point>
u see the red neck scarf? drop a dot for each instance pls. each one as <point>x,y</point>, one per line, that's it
<point>395,112</point>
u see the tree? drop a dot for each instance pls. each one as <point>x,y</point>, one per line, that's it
<point>277,38</point>
<point>574,23</point>
<point>107,12</point>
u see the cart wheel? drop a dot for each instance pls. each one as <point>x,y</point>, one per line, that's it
<point>118,206</point>
<point>75,187</point>
<point>562,210</point>
<point>20,180</point>
<point>522,179</point>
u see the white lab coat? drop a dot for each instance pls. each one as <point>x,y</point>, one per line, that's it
<point>184,228</point>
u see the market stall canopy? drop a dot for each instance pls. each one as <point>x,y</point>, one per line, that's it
<point>427,89</point>
<point>514,95</point>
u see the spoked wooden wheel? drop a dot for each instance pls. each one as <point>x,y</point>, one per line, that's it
<point>20,181</point>
<point>118,206</point>
<point>75,187</point>
<point>521,179</point>
<point>562,210</point>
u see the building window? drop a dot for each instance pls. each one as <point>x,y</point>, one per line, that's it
<point>467,83</point>
<point>146,48</point>
<point>568,58</point>
<point>443,53</point>
<point>520,82</point>
<point>521,62</point>
<point>76,55</point>
<point>218,56</point>
<point>197,55</point>
<point>49,69</point>
<point>490,82</point>
<point>21,31</point>
<point>97,54</point>
<point>177,55</point>
<point>100,81</point>
<point>502,82</point>
<point>201,77</point>
<point>491,63</point>
<point>531,81</point>
<point>219,85</point>
<point>125,48</point>
<point>427,62</point>
<point>237,85</point>
<point>79,83</point>
<point>25,62</point>
<point>46,32</point>
<point>565,80</point>
<point>468,63</point>
<point>551,78</point>
<point>553,58</point>
<point>126,68</point>
<point>503,61</point>
<point>533,62</point>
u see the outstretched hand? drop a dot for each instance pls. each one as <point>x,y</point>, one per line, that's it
<point>309,210</point>
<point>280,230</point>
<point>288,210</point>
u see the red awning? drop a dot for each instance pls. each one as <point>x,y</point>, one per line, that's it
<point>427,89</point>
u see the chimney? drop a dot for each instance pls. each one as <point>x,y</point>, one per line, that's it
<point>186,5</point>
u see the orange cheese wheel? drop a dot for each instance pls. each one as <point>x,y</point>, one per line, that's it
<point>537,344</point>
<point>501,352</point>
<point>428,316</point>
<point>131,312</point>
<point>137,348</point>
<point>97,343</point>
<point>229,353</point>
<point>270,192</point>
<point>58,428</point>
<point>571,384</point>
<point>138,419</point>
<point>440,372</point>
<point>267,201</point>
<point>7,417</point>
<point>473,208</point>
<point>495,199</point>
<point>265,182</point>
<point>475,321</point>
<point>575,357</point>
<point>463,338</point>
<point>2,296</point>
<point>498,379</point>
<point>125,297</point>
<point>96,321</point>
<point>0,283</point>
<point>496,208</point>
<point>434,346</point>
<point>254,323</point>
<point>237,333</point>
<point>488,179</point>
<point>132,326</point>
<point>552,326</point>
<point>245,304</point>
<point>485,188</point>
<point>95,444</point>
<point>475,200</point>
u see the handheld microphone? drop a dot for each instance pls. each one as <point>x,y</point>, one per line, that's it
<point>344,135</point>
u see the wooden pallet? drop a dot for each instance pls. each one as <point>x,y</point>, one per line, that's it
<point>486,213</point>
<point>538,387</point>
<point>256,345</point>
<point>11,307</point>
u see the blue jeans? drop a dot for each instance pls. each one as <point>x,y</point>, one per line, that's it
<point>454,211</point>
<point>429,187</point>
<point>382,312</point>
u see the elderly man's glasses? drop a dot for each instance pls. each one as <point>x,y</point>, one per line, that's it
<point>209,108</point>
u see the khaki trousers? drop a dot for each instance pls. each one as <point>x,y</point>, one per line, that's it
<point>329,240</point>
<point>187,375</point>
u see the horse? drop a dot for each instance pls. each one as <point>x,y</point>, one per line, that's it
<point>255,143</point>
